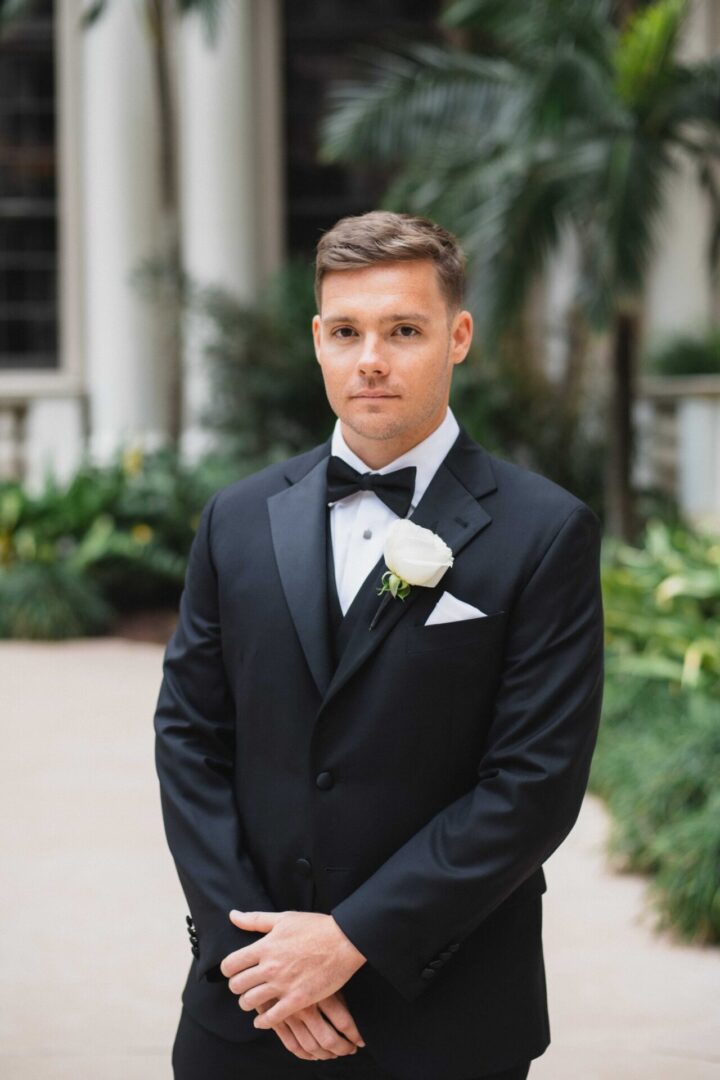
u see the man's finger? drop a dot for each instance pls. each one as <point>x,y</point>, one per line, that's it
<point>307,1038</point>
<point>325,1034</point>
<point>285,1007</point>
<point>257,996</point>
<point>246,980</point>
<point>341,1018</point>
<point>240,959</point>
<point>286,1036</point>
<point>289,1041</point>
<point>261,921</point>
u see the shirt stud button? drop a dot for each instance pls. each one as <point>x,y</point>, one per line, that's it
<point>367,534</point>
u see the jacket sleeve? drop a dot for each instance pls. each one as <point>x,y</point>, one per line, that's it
<point>194,755</point>
<point>447,878</point>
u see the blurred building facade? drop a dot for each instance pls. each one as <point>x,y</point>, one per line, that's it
<point>85,359</point>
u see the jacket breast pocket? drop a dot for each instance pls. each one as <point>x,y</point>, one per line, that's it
<point>456,635</point>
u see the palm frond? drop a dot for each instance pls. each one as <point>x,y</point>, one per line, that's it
<point>620,234</point>
<point>569,87</point>
<point>510,213</point>
<point>644,60</point>
<point>405,97</point>
<point>525,29</point>
<point>693,98</point>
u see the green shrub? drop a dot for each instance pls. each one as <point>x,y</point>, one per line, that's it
<point>657,765</point>
<point>687,354</point>
<point>687,886</point>
<point>50,601</point>
<point>657,761</point>
<point>662,607</point>
<point>115,538</point>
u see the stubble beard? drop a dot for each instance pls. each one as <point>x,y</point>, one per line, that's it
<point>395,428</point>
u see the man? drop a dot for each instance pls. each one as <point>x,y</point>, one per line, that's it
<point>359,790</point>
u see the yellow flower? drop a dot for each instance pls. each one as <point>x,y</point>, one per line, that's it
<point>132,460</point>
<point>142,533</point>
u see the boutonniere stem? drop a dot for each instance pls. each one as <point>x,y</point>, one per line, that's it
<point>381,607</point>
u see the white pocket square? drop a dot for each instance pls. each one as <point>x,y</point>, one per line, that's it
<point>450,609</point>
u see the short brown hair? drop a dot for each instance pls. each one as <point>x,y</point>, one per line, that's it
<point>384,236</point>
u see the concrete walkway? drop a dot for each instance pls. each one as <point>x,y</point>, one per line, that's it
<point>93,949</point>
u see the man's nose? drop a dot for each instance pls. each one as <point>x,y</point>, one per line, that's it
<point>372,359</point>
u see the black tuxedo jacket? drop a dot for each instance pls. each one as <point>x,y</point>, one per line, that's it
<point>414,791</point>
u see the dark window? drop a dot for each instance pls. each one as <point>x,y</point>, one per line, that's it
<point>320,36</point>
<point>28,202</point>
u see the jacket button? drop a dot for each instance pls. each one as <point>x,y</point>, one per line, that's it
<point>427,973</point>
<point>454,947</point>
<point>304,867</point>
<point>194,938</point>
<point>436,963</point>
<point>445,955</point>
<point>324,780</point>
<point>189,920</point>
<point>195,951</point>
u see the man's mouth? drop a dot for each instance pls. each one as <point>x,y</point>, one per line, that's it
<point>374,394</point>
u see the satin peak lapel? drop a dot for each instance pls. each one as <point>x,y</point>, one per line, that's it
<point>297,522</point>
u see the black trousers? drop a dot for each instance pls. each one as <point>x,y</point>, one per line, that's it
<point>198,1054</point>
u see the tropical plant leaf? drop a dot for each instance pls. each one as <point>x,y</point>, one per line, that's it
<point>406,97</point>
<point>645,65</point>
<point>527,29</point>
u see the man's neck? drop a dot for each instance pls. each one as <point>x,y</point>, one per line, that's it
<point>376,453</point>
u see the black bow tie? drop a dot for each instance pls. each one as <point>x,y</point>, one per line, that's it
<point>395,488</point>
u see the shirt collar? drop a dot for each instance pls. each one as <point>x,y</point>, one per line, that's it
<point>426,456</point>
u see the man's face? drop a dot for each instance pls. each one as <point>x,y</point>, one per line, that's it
<point>386,348</point>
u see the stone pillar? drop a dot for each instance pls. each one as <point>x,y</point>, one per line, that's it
<point>679,296</point>
<point>230,167</point>
<point>128,374</point>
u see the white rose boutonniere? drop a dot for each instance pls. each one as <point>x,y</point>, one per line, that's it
<point>414,556</point>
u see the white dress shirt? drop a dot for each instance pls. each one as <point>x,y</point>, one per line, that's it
<point>359,522</point>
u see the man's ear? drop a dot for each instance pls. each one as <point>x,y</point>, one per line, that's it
<point>461,336</point>
<point>316,331</point>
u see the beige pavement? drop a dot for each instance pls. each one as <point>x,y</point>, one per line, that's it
<point>93,949</point>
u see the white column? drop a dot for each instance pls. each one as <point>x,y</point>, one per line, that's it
<point>127,370</point>
<point>54,440</point>
<point>222,136</point>
<point>679,295</point>
<point>699,459</point>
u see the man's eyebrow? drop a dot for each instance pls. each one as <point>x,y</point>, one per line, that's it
<point>401,316</point>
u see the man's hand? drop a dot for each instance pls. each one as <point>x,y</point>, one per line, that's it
<point>308,1035</point>
<point>303,959</point>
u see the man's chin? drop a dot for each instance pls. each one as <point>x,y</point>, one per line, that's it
<point>374,427</point>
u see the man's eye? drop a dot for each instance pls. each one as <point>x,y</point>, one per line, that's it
<point>410,328</point>
<point>339,331</point>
